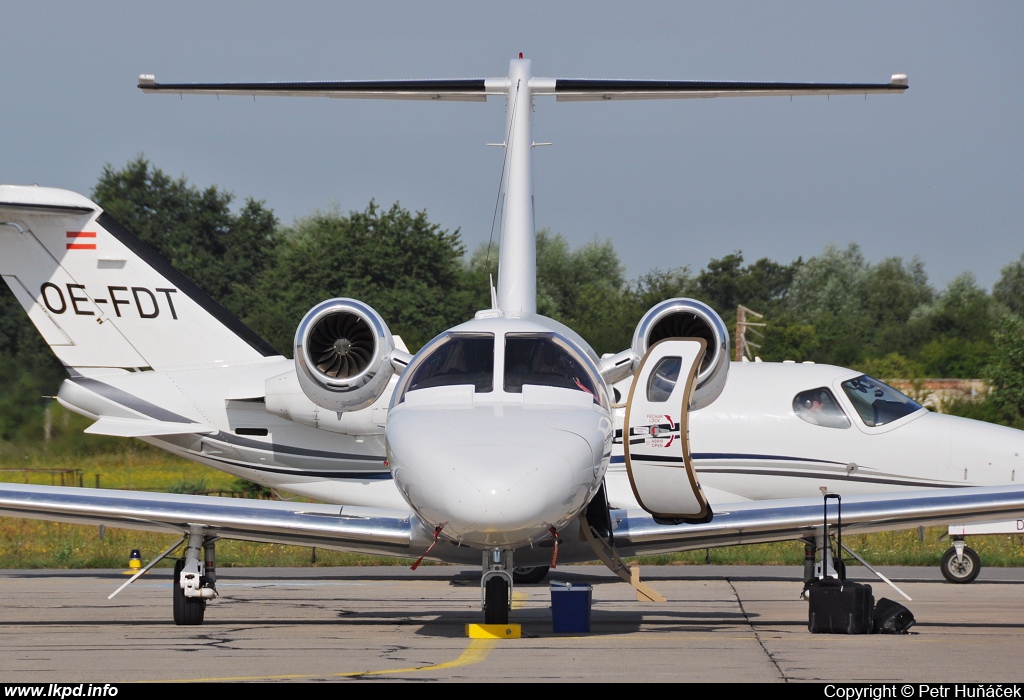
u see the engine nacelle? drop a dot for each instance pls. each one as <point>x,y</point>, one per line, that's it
<point>688,318</point>
<point>343,354</point>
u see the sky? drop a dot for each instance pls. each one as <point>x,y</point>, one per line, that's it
<point>937,172</point>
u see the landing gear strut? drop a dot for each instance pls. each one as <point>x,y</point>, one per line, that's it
<point>194,578</point>
<point>496,586</point>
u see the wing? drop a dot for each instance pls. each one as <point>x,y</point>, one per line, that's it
<point>636,532</point>
<point>353,529</point>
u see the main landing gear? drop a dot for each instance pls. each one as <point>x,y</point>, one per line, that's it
<point>195,578</point>
<point>529,574</point>
<point>496,586</point>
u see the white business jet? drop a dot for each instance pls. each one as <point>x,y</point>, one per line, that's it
<point>495,443</point>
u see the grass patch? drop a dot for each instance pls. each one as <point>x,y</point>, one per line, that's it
<point>40,544</point>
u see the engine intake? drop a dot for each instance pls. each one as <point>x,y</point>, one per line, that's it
<point>688,318</point>
<point>342,355</point>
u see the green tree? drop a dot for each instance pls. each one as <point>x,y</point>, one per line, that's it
<point>858,310</point>
<point>726,283</point>
<point>892,291</point>
<point>955,331</point>
<point>828,293</point>
<point>1009,289</point>
<point>195,229</point>
<point>786,338</point>
<point>1007,368</point>
<point>408,269</point>
<point>584,288</point>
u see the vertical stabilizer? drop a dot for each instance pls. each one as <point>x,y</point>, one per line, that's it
<point>102,298</point>
<point>517,261</point>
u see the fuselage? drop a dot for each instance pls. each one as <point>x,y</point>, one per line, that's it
<point>758,441</point>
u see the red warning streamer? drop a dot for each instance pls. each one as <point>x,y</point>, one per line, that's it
<point>554,553</point>
<point>437,532</point>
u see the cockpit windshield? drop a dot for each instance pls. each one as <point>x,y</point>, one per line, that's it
<point>459,358</point>
<point>878,403</point>
<point>546,360</point>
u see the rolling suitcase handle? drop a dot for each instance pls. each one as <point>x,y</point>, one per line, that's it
<point>826,553</point>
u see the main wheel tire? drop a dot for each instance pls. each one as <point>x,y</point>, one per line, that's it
<point>530,574</point>
<point>963,571</point>
<point>187,611</point>
<point>496,601</point>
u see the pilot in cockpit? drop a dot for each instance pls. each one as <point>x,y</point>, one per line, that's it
<point>539,360</point>
<point>819,407</point>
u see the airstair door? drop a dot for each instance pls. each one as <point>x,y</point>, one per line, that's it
<point>656,436</point>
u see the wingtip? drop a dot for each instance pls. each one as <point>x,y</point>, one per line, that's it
<point>899,79</point>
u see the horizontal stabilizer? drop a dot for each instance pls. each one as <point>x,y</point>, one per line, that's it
<point>126,427</point>
<point>686,89</point>
<point>475,90</point>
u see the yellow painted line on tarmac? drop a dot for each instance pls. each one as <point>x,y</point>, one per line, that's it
<point>476,652</point>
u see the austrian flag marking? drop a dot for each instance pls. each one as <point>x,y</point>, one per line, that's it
<point>77,240</point>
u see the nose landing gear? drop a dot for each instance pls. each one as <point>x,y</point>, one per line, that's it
<point>496,586</point>
<point>960,563</point>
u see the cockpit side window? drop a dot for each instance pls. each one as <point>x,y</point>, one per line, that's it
<point>819,407</point>
<point>460,359</point>
<point>541,359</point>
<point>878,403</point>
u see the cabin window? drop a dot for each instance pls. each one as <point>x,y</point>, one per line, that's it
<point>545,360</point>
<point>457,359</point>
<point>819,407</point>
<point>663,379</point>
<point>878,403</point>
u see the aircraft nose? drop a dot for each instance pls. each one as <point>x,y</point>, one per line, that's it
<point>491,482</point>
<point>984,453</point>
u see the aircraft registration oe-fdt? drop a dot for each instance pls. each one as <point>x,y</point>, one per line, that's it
<point>506,441</point>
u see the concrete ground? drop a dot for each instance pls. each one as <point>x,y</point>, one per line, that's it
<point>721,624</point>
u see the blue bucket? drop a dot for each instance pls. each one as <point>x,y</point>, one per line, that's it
<point>570,607</point>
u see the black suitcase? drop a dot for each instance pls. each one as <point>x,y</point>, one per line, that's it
<point>892,618</point>
<point>840,607</point>
<point>837,606</point>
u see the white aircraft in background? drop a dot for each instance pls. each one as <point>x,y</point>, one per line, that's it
<point>497,442</point>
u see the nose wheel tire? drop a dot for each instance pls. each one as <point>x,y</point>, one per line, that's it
<point>496,601</point>
<point>963,571</point>
<point>187,611</point>
<point>530,574</point>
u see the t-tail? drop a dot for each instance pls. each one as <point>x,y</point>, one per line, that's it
<point>101,298</point>
<point>517,266</point>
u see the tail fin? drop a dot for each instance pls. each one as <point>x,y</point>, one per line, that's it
<point>101,297</point>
